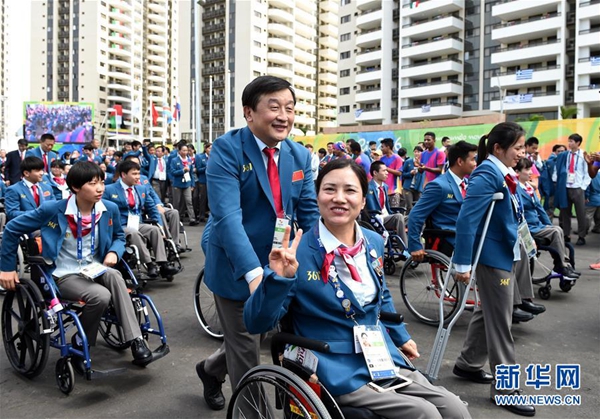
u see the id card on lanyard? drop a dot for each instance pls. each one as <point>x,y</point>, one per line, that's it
<point>133,218</point>
<point>93,269</point>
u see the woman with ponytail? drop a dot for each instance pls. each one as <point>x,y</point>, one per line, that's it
<point>489,333</point>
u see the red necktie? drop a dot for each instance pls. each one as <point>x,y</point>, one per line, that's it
<point>572,164</point>
<point>381,197</point>
<point>511,183</point>
<point>45,163</point>
<point>130,198</point>
<point>463,189</point>
<point>273,175</point>
<point>160,164</point>
<point>36,196</point>
<point>22,155</point>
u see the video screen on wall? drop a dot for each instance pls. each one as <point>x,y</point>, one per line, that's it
<point>68,122</point>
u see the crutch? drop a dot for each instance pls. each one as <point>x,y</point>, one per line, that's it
<point>443,333</point>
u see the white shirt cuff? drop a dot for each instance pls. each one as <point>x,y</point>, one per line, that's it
<point>461,269</point>
<point>253,274</point>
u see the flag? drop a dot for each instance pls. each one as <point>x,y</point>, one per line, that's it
<point>167,115</point>
<point>154,114</point>
<point>136,108</point>
<point>116,117</point>
<point>177,111</point>
<point>414,4</point>
<point>526,98</point>
<point>511,99</point>
<point>524,74</point>
<point>425,108</point>
<point>595,60</point>
<point>358,113</point>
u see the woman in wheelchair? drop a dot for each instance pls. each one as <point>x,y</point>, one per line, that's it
<point>332,284</point>
<point>83,236</point>
<point>539,223</point>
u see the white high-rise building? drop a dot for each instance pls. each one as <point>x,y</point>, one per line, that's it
<point>3,73</point>
<point>110,52</point>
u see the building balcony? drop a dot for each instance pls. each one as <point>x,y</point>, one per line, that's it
<point>529,53</point>
<point>369,39</point>
<point>308,44</point>
<point>303,107</point>
<point>328,41</point>
<point>304,17</point>
<point>118,98</point>
<point>589,94</point>
<point>220,27</point>
<point>211,42</point>
<point>120,17</point>
<point>303,81</point>
<point>282,72</point>
<point>539,77</point>
<point>156,78</point>
<point>368,58</point>
<point>584,66</point>
<point>538,27</point>
<point>159,39</point>
<point>328,17</point>
<point>305,30</point>
<point>435,89</point>
<point>327,113</point>
<point>211,71</point>
<point>119,63</point>
<point>118,51</point>
<point>305,56</point>
<point>442,110</point>
<point>371,115</point>
<point>430,8</point>
<point>368,76</point>
<point>156,89</point>
<point>368,4</point>
<point>328,101</point>
<point>279,58</point>
<point>282,16</point>
<point>330,30</point>
<point>280,44</point>
<point>433,48</point>
<point>158,28</point>
<point>432,69</point>
<point>157,59</point>
<point>159,8</point>
<point>370,20</point>
<point>434,27</point>
<point>305,95</point>
<point>157,69</point>
<point>540,102</point>
<point>118,86</point>
<point>368,96</point>
<point>588,10</point>
<point>510,10</point>
<point>302,68</point>
<point>588,37</point>
<point>329,54</point>
<point>328,77</point>
<point>330,66</point>
<point>119,75</point>
<point>300,120</point>
<point>119,27</point>
<point>329,5</point>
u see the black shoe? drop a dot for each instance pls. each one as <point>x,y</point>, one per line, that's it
<point>569,273</point>
<point>567,239</point>
<point>194,223</point>
<point>77,361</point>
<point>140,351</point>
<point>212,388</point>
<point>580,242</point>
<point>480,376</point>
<point>166,270</point>
<point>531,307</point>
<point>523,410</point>
<point>520,315</point>
<point>152,270</point>
<point>179,249</point>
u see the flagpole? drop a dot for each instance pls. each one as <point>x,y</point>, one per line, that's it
<point>210,109</point>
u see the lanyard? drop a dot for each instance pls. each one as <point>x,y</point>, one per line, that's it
<point>333,278</point>
<point>80,236</point>
<point>517,204</point>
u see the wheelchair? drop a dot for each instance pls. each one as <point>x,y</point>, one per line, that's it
<point>204,305</point>
<point>395,248</point>
<point>542,272</point>
<point>289,387</point>
<point>32,322</point>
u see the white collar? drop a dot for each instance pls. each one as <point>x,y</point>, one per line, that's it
<point>505,170</point>
<point>261,145</point>
<point>71,209</point>
<point>329,241</point>
<point>28,183</point>
<point>456,178</point>
<point>124,186</point>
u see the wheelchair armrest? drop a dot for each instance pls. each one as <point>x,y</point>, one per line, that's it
<point>150,221</point>
<point>373,212</point>
<point>398,210</point>
<point>39,260</point>
<point>542,241</point>
<point>282,338</point>
<point>388,316</point>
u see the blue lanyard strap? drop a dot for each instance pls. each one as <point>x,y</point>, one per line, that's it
<point>80,235</point>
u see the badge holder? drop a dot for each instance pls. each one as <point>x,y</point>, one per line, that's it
<point>570,178</point>
<point>133,221</point>
<point>280,226</point>
<point>93,270</point>
<point>526,239</point>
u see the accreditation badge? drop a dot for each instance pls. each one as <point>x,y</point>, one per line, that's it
<point>133,221</point>
<point>377,356</point>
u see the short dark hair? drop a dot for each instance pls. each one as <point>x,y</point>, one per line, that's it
<point>57,163</point>
<point>127,166</point>
<point>88,146</point>
<point>576,137</point>
<point>460,150</point>
<point>23,141</point>
<point>46,136</point>
<point>262,85</point>
<point>31,163</point>
<point>523,164</point>
<point>430,133</point>
<point>342,164</point>
<point>83,172</point>
<point>322,151</point>
<point>330,143</point>
<point>444,139</point>
<point>556,147</point>
<point>355,147</point>
<point>388,142</point>
<point>418,148</point>
<point>136,143</point>
<point>118,153</point>
<point>131,157</point>
<point>372,142</point>
<point>180,145</point>
<point>402,152</point>
<point>376,167</point>
<point>531,141</point>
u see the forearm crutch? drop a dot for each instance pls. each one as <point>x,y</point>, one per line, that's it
<point>443,333</point>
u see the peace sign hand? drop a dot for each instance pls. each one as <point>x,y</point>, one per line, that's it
<point>283,260</point>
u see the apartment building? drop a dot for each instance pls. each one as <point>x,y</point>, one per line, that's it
<point>294,39</point>
<point>108,52</point>
<point>3,72</point>
<point>409,61</point>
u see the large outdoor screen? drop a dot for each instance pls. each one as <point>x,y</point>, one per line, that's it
<point>68,122</point>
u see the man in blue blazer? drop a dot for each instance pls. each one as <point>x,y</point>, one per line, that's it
<point>377,201</point>
<point>12,165</point>
<point>442,198</point>
<point>29,193</point>
<point>245,205</point>
<point>412,180</point>
<point>132,200</point>
<point>88,154</point>
<point>182,181</point>
<point>44,151</point>
<point>200,195</point>
<point>58,221</point>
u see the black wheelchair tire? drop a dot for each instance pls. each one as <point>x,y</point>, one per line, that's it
<point>65,375</point>
<point>204,305</point>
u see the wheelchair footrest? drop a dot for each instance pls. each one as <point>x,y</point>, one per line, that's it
<point>158,353</point>
<point>96,374</point>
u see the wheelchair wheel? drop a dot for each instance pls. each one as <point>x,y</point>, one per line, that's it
<point>65,376</point>
<point>541,267</point>
<point>206,311</point>
<point>389,266</point>
<point>421,286</point>
<point>111,331</point>
<point>267,388</point>
<point>23,324</point>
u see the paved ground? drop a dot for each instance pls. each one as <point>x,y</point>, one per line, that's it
<point>568,332</point>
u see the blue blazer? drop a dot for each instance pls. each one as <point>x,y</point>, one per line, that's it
<point>373,197</point>
<point>316,313</point>
<point>37,152</point>
<point>441,202</point>
<point>407,177</point>
<point>177,172</point>
<point>592,193</point>
<point>19,200</point>
<point>242,209</point>
<point>51,220</point>
<point>546,185</point>
<point>535,215</point>
<point>12,167</point>
<point>96,159</point>
<point>151,162</point>
<point>497,251</point>
<point>201,161</point>
<point>115,193</point>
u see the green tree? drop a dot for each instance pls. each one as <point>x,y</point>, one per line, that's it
<point>568,112</point>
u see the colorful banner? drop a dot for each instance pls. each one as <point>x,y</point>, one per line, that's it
<point>548,132</point>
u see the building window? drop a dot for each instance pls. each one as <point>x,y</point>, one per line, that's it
<point>345,109</point>
<point>344,2</point>
<point>344,55</point>
<point>344,91</point>
<point>345,73</point>
<point>345,37</point>
<point>345,19</point>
